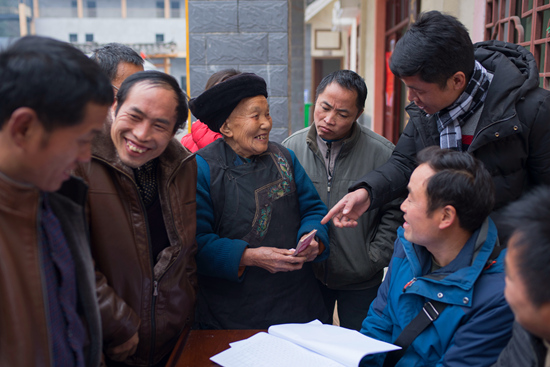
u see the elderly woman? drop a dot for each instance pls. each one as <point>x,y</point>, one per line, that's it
<point>254,203</point>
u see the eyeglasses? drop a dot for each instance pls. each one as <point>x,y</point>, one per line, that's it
<point>114,86</point>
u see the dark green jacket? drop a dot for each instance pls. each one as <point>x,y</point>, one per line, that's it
<point>358,255</point>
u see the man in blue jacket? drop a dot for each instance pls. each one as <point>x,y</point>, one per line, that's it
<point>446,263</point>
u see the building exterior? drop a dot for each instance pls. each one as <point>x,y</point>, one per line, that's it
<point>293,44</point>
<point>156,29</point>
<point>264,37</point>
<point>15,19</point>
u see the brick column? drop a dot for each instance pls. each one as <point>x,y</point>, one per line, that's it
<point>251,36</point>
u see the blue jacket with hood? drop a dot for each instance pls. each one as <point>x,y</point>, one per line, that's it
<point>477,322</point>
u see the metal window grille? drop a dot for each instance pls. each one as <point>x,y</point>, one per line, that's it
<point>92,9</point>
<point>175,9</point>
<point>160,9</point>
<point>524,22</point>
<point>74,9</point>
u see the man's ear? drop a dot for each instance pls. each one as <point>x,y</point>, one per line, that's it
<point>114,107</point>
<point>458,80</point>
<point>359,114</point>
<point>225,130</point>
<point>22,125</point>
<point>448,217</point>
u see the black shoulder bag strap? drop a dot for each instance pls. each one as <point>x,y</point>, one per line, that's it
<point>430,312</point>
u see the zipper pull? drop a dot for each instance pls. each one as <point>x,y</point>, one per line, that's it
<point>409,284</point>
<point>329,145</point>
<point>155,288</point>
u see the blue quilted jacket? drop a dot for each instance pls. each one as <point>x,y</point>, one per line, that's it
<point>477,322</point>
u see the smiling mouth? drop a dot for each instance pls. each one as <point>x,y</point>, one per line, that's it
<point>134,148</point>
<point>261,137</point>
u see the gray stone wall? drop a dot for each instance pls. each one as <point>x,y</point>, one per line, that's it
<point>298,65</point>
<point>251,36</point>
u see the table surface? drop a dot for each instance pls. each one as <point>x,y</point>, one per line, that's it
<point>195,348</point>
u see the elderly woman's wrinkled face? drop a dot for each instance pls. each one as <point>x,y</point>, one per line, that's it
<point>247,129</point>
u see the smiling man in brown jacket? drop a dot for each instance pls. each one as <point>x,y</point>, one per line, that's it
<point>142,220</point>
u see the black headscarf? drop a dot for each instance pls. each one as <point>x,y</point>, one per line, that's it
<point>215,105</point>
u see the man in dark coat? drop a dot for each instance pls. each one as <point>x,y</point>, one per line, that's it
<point>527,276</point>
<point>483,99</point>
<point>53,101</point>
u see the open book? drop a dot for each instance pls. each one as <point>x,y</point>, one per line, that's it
<point>301,345</point>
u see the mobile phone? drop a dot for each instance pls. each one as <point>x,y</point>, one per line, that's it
<point>304,242</point>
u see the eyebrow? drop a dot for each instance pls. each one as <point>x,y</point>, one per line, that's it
<point>337,109</point>
<point>414,88</point>
<point>409,189</point>
<point>255,109</point>
<point>137,110</point>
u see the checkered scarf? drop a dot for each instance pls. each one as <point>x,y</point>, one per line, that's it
<point>451,118</point>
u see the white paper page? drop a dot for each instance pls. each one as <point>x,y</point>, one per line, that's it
<point>339,344</point>
<point>264,350</point>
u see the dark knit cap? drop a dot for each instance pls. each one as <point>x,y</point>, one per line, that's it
<point>215,105</point>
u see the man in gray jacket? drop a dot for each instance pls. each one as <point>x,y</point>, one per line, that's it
<point>334,152</point>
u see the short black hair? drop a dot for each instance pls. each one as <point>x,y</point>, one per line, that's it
<point>51,77</point>
<point>460,180</point>
<point>220,76</point>
<point>156,79</point>
<point>349,80</point>
<point>435,47</point>
<point>109,56</point>
<point>528,220</point>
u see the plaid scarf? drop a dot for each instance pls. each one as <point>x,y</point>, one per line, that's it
<point>451,118</point>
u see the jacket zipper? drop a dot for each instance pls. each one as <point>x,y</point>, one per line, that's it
<point>329,185</point>
<point>43,277</point>
<point>411,282</point>
<point>329,174</point>
<point>155,283</point>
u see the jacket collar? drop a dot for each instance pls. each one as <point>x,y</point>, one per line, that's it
<point>460,275</point>
<point>170,160</point>
<point>515,74</point>
<point>347,143</point>
<point>18,198</point>
<point>23,199</point>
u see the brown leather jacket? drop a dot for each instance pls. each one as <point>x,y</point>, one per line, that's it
<point>24,325</point>
<point>133,295</point>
